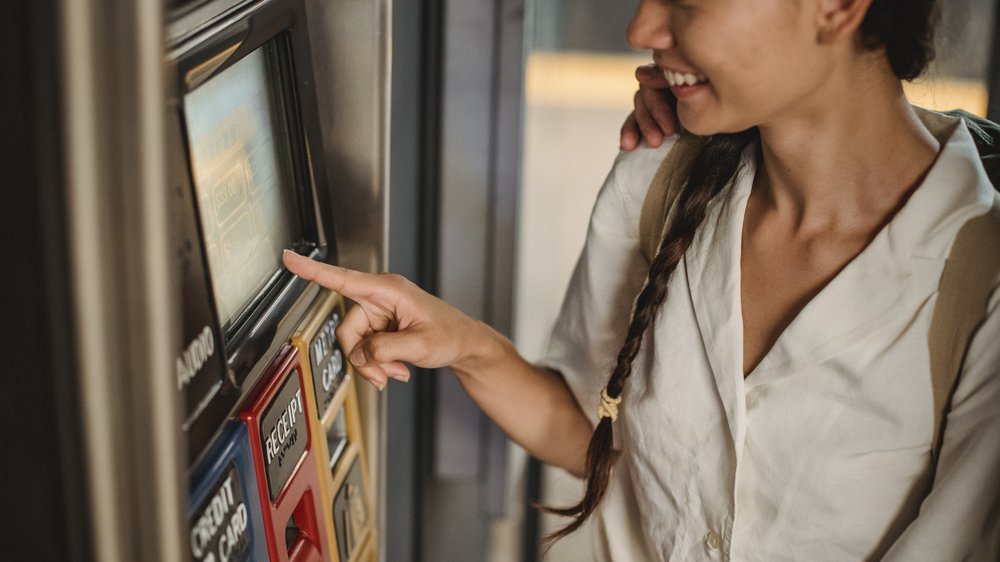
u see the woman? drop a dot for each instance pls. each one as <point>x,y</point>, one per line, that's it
<point>773,387</point>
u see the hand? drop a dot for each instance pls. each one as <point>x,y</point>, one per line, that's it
<point>394,321</point>
<point>653,118</point>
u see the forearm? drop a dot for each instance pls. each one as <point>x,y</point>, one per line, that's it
<point>534,406</point>
<point>396,321</point>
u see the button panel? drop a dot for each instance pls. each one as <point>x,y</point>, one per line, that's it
<point>327,362</point>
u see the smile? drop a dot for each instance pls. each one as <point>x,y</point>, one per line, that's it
<point>683,78</point>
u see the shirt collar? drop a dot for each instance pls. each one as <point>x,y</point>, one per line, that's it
<point>896,270</point>
<point>955,189</point>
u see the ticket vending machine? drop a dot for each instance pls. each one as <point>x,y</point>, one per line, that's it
<point>275,448</point>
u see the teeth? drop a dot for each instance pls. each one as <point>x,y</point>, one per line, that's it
<point>683,78</point>
<point>670,78</point>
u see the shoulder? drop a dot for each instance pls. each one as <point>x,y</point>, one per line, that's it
<point>630,177</point>
<point>955,189</point>
<point>635,169</point>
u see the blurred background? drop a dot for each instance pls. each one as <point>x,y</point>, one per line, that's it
<point>462,142</point>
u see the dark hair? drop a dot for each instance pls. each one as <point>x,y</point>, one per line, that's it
<point>905,30</point>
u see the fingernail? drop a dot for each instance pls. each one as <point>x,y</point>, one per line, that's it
<point>400,378</point>
<point>357,357</point>
<point>380,386</point>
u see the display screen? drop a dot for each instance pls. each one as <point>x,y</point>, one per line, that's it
<point>238,137</point>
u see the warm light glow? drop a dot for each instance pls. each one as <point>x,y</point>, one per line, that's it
<point>606,81</point>
<point>582,79</point>
<point>947,93</point>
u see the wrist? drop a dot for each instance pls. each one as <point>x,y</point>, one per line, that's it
<point>483,348</point>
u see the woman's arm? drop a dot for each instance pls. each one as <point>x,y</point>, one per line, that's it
<point>395,321</point>
<point>960,517</point>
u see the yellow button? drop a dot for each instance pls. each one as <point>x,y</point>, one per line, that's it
<point>713,540</point>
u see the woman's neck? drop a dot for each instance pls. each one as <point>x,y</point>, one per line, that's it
<point>847,159</point>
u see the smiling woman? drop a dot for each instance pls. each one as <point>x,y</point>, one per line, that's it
<point>772,397</point>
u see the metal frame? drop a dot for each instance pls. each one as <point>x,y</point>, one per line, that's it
<point>46,503</point>
<point>411,249</point>
<point>351,46</point>
<point>119,233</point>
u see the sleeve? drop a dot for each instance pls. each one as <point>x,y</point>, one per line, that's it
<point>608,276</point>
<point>960,517</point>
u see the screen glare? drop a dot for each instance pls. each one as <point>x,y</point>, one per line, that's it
<point>239,145</point>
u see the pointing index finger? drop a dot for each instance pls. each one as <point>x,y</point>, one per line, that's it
<point>354,285</point>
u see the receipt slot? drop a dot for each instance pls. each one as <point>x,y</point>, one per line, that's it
<point>225,523</point>
<point>285,464</point>
<point>346,493</point>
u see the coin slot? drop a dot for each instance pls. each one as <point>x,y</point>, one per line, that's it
<point>300,529</point>
<point>336,438</point>
<point>291,533</point>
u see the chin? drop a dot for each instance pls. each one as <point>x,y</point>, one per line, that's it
<point>706,123</point>
<point>701,123</point>
<point>699,127</point>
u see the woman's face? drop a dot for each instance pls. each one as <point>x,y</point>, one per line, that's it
<point>735,64</point>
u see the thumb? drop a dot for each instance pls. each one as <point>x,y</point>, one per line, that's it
<point>389,347</point>
<point>650,76</point>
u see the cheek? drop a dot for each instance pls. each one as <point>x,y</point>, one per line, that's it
<point>759,57</point>
<point>756,76</point>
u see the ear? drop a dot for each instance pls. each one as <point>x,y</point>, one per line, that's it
<point>839,19</point>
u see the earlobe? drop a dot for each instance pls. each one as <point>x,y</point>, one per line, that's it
<point>839,19</point>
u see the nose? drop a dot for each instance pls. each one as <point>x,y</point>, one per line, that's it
<point>650,26</point>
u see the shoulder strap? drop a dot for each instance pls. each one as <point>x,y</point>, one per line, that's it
<point>972,267</point>
<point>666,185</point>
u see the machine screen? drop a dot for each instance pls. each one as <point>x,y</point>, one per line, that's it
<point>240,156</point>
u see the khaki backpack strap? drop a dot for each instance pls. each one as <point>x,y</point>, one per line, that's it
<point>666,185</point>
<point>972,267</point>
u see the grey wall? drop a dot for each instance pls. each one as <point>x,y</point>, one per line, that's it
<point>582,25</point>
<point>965,38</point>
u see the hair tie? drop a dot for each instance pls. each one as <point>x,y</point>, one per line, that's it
<point>609,406</point>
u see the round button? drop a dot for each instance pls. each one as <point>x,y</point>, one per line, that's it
<point>713,540</point>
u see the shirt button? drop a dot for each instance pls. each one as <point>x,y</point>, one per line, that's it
<point>713,541</point>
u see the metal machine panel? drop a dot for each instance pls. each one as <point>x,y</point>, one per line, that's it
<point>224,515</point>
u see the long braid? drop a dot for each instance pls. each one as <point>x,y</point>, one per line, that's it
<point>712,170</point>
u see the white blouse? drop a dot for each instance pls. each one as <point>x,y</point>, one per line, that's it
<point>823,451</point>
